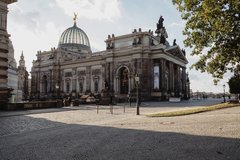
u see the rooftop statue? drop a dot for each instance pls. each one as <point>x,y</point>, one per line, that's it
<point>75,17</point>
<point>160,23</point>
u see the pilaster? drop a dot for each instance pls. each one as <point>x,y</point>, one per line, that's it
<point>163,75</point>
<point>184,78</point>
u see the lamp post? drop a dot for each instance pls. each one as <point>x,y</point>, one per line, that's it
<point>224,100</point>
<point>137,81</point>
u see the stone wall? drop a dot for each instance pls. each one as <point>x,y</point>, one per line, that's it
<point>33,105</point>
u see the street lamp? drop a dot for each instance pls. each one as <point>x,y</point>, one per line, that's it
<point>137,81</point>
<point>224,100</point>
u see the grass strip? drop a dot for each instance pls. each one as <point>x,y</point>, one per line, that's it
<point>187,111</point>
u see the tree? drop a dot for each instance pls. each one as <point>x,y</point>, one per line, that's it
<point>234,84</point>
<point>213,31</point>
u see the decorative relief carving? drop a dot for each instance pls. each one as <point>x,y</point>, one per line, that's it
<point>74,71</point>
<point>68,80</point>
<point>128,65</point>
<point>82,73</point>
<point>96,71</point>
<point>96,78</point>
<point>81,79</point>
<point>123,62</point>
<point>68,74</point>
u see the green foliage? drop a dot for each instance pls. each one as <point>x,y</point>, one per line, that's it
<point>213,31</point>
<point>234,84</point>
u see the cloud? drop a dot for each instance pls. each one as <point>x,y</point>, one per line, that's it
<point>177,24</point>
<point>194,76</point>
<point>33,15</point>
<point>27,19</point>
<point>92,9</point>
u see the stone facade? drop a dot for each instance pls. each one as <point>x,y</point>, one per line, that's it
<point>12,74</point>
<point>160,66</point>
<point>4,41</point>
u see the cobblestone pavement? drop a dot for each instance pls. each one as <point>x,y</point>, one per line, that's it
<point>18,124</point>
<point>80,133</point>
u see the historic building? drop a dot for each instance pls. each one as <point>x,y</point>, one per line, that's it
<point>17,77</point>
<point>23,83</point>
<point>72,69</point>
<point>12,74</point>
<point>4,41</point>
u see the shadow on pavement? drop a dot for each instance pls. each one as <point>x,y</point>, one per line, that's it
<point>41,139</point>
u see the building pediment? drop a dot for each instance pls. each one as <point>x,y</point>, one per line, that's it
<point>176,52</point>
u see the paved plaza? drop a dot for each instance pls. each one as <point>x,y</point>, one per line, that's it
<point>78,133</point>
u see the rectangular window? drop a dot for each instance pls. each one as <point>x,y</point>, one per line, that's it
<point>68,87</point>
<point>156,77</point>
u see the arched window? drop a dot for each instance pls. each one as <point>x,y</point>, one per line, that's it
<point>124,80</point>
<point>68,87</point>
<point>96,86</point>
<point>81,87</point>
<point>44,84</point>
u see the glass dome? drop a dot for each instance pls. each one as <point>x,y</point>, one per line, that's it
<point>74,38</point>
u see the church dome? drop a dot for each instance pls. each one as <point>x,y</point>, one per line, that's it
<point>74,38</point>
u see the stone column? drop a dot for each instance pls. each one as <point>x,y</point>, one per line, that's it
<point>103,75</point>
<point>184,82</point>
<point>51,87</point>
<point>38,81</point>
<point>74,83</point>
<point>129,83</point>
<point>146,76</point>
<point>88,78</point>
<point>62,81</point>
<point>74,86</point>
<point>111,70</point>
<point>177,81</point>
<point>117,85</point>
<point>171,72</point>
<point>107,73</point>
<point>180,79</point>
<point>4,39</point>
<point>162,77</point>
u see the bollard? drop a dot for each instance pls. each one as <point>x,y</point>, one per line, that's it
<point>111,109</point>
<point>97,109</point>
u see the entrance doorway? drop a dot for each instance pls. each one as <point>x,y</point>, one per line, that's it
<point>44,84</point>
<point>124,80</point>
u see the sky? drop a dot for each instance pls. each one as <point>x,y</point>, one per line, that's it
<point>37,25</point>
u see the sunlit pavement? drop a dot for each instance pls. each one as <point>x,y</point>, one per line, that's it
<point>82,133</point>
<point>145,107</point>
